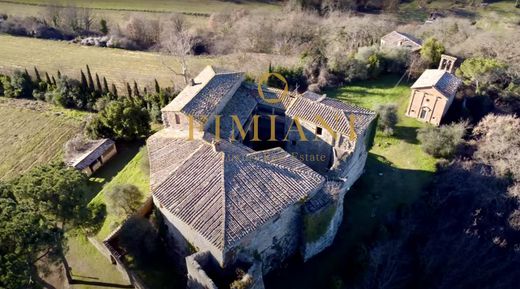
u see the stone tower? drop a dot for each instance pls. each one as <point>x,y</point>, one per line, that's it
<point>447,63</point>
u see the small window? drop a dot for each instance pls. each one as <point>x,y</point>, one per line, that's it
<point>427,100</point>
<point>177,119</point>
<point>319,130</point>
<point>423,114</point>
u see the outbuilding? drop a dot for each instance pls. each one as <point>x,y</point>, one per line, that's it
<point>93,156</point>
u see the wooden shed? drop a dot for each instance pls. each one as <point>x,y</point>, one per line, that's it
<point>94,156</point>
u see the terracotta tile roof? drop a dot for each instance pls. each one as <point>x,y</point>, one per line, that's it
<point>398,39</point>
<point>225,196</point>
<point>444,81</point>
<point>241,104</point>
<point>96,149</point>
<point>166,151</point>
<point>285,99</point>
<point>336,113</point>
<point>202,99</point>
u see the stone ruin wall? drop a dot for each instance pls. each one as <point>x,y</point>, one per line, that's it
<point>354,169</point>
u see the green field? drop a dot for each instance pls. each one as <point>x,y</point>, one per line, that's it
<point>180,6</point>
<point>33,133</point>
<point>118,65</point>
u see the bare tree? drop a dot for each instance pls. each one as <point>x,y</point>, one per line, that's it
<point>53,15</point>
<point>177,41</point>
<point>71,18</point>
<point>87,18</point>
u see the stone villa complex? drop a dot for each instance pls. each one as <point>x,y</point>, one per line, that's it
<point>249,175</point>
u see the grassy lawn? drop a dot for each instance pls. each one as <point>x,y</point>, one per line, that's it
<point>33,133</point>
<point>90,268</point>
<point>117,65</point>
<point>396,173</point>
<point>131,173</point>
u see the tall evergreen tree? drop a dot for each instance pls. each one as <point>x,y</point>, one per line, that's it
<point>53,80</point>
<point>59,74</point>
<point>37,75</point>
<point>27,75</point>
<point>114,90</point>
<point>48,78</point>
<point>128,90</point>
<point>136,90</point>
<point>99,88</point>
<point>90,80</point>
<point>105,86</point>
<point>84,84</point>
<point>157,87</point>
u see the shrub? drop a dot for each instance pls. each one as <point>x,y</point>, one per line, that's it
<point>18,85</point>
<point>293,75</point>
<point>67,93</point>
<point>387,118</point>
<point>123,200</point>
<point>443,141</point>
<point>499,144</point>
<point>120,120</point>
<point>396,60</point>
<point>432,50</point>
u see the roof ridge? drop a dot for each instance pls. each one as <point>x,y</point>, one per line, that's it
<point>311,173</point>
<point>224,199</point>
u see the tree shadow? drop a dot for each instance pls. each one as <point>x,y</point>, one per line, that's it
<point>125,153</point>
<point>406,133</point>
<point>381,190</point>
<point>101,284</point>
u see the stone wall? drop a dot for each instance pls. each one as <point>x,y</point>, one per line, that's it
<point>353,169</point>
<point>315,151</point>
<point>184,240</point>
<point>197,277</point>
<point>272,243</point>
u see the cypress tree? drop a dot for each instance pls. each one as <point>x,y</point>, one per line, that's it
<point>59,74</point>
<point>128,90</point>
<point>90,80</point>
<point>114,90</point>
<point>105,86</point>
<point>27,75</point>
<point>99,88</point>
<point>53,80</point>
<point>48,78</point>
<point>157,87</point>
<point>84,85</point>
<point>136,90</point>
<point>37,74</point>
